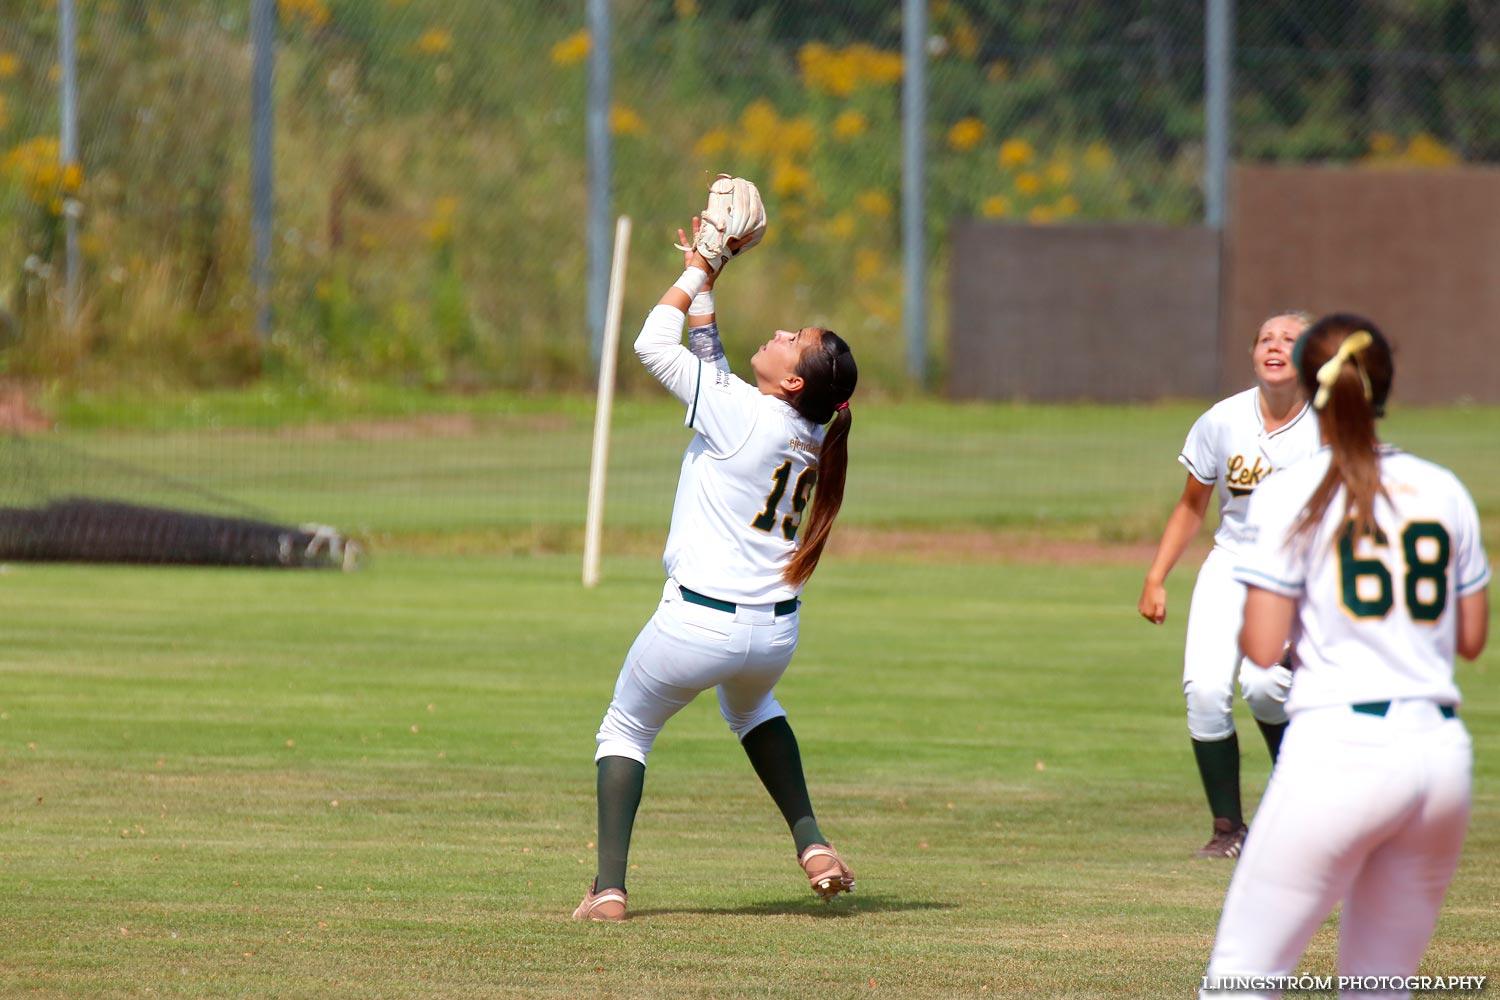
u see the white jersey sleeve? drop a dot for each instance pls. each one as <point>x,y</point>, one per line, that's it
<point>1375,616</point>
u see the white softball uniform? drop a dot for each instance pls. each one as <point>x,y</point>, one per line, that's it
<point>1230,449</point>
<point>726,619</point>
<point>1369,800</point>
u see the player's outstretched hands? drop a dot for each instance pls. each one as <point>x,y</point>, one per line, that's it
<point>733,221</point>
<point>690,255</point>
<point>693,257</point>
<point>1153,603</point>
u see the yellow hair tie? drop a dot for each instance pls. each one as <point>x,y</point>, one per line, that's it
<point>1329,373</point>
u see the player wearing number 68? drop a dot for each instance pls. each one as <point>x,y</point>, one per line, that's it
<point>1370,560</point>
<point>760,485</point>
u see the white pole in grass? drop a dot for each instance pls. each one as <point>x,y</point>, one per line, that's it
<point>594,526</point>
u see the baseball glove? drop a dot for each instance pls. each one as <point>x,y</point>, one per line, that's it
<point>734,212</point>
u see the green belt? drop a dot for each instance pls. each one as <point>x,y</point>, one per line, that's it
<point>1382,707</point>
<point>693,597</point>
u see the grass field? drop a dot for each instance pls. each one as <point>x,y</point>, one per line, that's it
<point>245,784</point>
<point>259,784</point>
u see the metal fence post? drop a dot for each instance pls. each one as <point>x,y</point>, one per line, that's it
<point>262,156</point>
<point>599,171</point>
<point>1218,72</point>
<point>68,155</point>
<point>914,187</point>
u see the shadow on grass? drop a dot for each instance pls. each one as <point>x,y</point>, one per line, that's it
<point>833,909</point>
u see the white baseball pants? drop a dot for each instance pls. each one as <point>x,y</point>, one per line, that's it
<point>1361,809</point>
<point>686,649</point>
<point>1211,656</point>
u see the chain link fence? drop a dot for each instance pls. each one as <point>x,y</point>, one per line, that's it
<point>431,171</point>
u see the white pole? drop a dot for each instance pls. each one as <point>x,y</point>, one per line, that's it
<point>594,526</point>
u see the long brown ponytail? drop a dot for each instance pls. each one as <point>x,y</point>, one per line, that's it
<point>1344,364</point>
<point>828,379</point>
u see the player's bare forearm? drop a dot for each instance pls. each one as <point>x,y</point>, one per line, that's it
<point>1473,623</point>
<point>1182,527</point>
<point>1268,625</point>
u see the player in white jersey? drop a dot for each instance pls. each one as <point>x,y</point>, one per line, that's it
<point>742,544</point>
<point>1228,452</point>
<point>1370,558</point>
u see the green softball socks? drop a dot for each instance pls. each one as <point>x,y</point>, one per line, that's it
<point>621,781</point>
<point>772,749</point>
<point>1273,732</point>
<point>1219,767</point>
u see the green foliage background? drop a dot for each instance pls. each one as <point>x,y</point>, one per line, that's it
<point>430,162</point>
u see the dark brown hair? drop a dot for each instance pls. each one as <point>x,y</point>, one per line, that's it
<point>828,379</point>
<point>1348,403</point>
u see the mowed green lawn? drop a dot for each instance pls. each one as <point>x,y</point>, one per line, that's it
<point>380,784</point>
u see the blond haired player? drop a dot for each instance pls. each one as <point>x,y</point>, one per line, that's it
<point>747,531</point>
<point>1228,453</point>
<point>1372,559</point>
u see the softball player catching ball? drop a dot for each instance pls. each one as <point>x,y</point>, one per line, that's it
<point>747,531</point>
<point>1228,452</point>
<point>1371,559</point>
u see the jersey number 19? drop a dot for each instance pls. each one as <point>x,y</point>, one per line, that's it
<point>766,519</point>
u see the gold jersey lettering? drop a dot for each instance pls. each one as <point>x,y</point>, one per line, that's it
<point>1242,478</point>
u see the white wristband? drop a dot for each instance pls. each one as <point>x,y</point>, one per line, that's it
<point>691,282</point>
<point>703,303</point>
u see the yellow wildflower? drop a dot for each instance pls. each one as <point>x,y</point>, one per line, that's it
<point>1015,153</point>
<point>572,50</point>
<point>789,180</point>
<point>440,226</point>
<point>798,136</point>
<point>712,142</point>
<point>4,112</point>
<point>434,42</point>
<point>1425,151</point>
<point>876,65</point>
<point>1041,215</point>
<point>965,134</point>
<point>1098,158</point>
<point>965,39</point>
<point>998,71</point>
<point>996,206</point>
<point>760,127</point>
<point>1067,206</point>
<point>1059,174</point>
<point>842,73</point>
<point>314,12</point>
<point>625,121</point>
<point>876,204</point>
<point>849,125</point>
<point>826,71</point>
<point>33,165</point>
<point>867,263</point>
<point>72,177</point>
<point>1028,183</point>
<point>687,8</point>
<point>842,225</point>
<point>1382,143</point>
<point>9,65</point>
